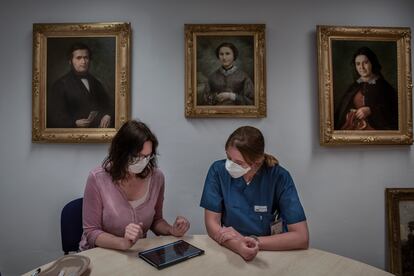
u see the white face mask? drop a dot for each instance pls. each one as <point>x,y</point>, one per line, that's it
<point>139,166</point>
<point>235,170</point>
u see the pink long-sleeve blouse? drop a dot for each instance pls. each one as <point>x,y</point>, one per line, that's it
<point>106,207</point>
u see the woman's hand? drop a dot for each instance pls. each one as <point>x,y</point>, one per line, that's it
<point>227,233</point>
<point>363,112</point>
<point>180,226</point>
<point>133,232</point>
<point>83,123</point>
<point>224,96</point>
<point>248,248</point>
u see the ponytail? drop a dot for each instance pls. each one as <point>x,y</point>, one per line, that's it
<point>270,160</point>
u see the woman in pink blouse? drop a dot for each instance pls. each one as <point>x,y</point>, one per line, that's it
<point>124,197</point>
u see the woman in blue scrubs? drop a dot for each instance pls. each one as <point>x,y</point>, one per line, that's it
<point>250,201</point>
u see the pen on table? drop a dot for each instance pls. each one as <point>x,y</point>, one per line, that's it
<point>37,271</point>
<point>61,273</point>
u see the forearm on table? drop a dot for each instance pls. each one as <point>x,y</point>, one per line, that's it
<point>232,244</point>
<point>296,238</point>
<point>161,227</point>
<point>213,228</point>
<point>107,240</point>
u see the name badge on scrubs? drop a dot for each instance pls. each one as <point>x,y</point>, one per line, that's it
<point>260,209</point>
<point>276,227</point>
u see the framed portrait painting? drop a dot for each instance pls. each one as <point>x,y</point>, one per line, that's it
<point>80,86</point>
<point>365,85</point>
<point>225,70</point>
<point>400,214</point>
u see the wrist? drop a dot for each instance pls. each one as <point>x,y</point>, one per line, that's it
<point>125,244</point>
<point>256,238</point>
<point>238,245</point>
<point>170,230</point>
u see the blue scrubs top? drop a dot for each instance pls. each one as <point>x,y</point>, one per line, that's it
<point>250,209</point>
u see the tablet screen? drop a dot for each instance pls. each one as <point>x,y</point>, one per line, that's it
<point>170,254</point>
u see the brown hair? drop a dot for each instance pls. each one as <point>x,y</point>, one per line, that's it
<point>249,141</point>
<point>228,45</point>
<point>128,141</point>
<point>78,46</point>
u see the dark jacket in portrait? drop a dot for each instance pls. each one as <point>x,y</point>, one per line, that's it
<point>379,96</point>
<point>69,100</point>
<point>233,80</point>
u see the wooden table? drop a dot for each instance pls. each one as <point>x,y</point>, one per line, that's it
<point>218,260</point>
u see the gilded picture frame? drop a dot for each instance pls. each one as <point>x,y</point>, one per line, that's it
<point>357,106</point>
<point>220,86</point>
<point>81,81</point>
<point>400,225</point>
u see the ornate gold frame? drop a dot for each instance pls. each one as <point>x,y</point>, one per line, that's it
<point>121,31</point>
<point>402,38</point>
<point>192,32</point>
<point>393,198</point>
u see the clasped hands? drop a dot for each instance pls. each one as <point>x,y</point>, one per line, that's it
<point>363,112</point>
<point>105,120</point>
<point>246,247</point>
<point>224,96</point>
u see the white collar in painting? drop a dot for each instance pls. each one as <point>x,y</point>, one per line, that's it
<point>228,72</point>
<point>372,80</point>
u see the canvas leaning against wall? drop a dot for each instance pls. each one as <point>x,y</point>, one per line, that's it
<point>81,83</point>
<point>365,85</point>
<point>400,214</point>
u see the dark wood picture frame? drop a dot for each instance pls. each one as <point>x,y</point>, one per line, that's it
<point>400,225</point>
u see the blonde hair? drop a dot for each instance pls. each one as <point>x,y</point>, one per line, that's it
<point>270,160</point>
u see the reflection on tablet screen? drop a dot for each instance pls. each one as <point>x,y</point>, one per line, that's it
<point>170,253</point>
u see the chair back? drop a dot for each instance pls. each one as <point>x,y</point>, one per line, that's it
<point>71,225</point>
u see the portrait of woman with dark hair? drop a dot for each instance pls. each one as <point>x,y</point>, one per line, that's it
<point>228,85</point>
<point>370,102</point>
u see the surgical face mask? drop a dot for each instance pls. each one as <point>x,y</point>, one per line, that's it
<point>235,170</point>
<point>139,165</point>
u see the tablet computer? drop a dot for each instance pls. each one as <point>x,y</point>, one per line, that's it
<point>169,254</point>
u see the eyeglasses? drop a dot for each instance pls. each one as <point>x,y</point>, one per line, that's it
<point>139,158</point>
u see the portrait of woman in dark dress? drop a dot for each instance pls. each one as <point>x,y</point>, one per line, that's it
<point>228,85</point>
<point>370,102</point>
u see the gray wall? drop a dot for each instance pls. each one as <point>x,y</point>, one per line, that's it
<point>342,188</point>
